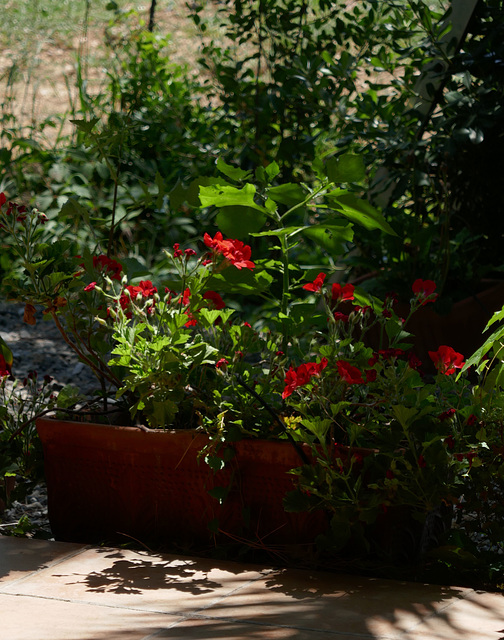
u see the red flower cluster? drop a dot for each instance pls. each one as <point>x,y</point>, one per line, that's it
<point>214,300</point>
<point>424,291</point>
<point>301,375</point>
<point>178,253</point>
<point>235,251</point>
<point>5,369</point>
<point>145,288</point>
<point>317,284</point>
<point>349,373</point>
<point>108,266</point>
<point>446,415</point>
<point>342,294</point>
<point>446,360</point>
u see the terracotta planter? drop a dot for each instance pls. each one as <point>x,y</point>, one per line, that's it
<point>109,482</point>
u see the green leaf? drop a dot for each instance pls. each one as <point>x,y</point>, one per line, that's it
<point>492,341</point>
<point>163,413</point>
<point>405,415</point>
<point>6,353</point>
<point>319,427</point>
<point>180,194</point>
<point>497,317</point>
<point>239,222</point>
<point>240,281</point>
<point>68,396</point>
<point>289,194</point>
<point>73,210</point>
<point>86,126</point>
<point>232,172</point>
<point>348,167</point>
<point>330,236</point>
<point>228,196</point>
<point>296,501</point>
<point>360,211</point>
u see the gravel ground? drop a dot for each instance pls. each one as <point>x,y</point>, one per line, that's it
<point>39,348</point>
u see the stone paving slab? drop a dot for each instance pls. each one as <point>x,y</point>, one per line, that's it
<point>59,591</point>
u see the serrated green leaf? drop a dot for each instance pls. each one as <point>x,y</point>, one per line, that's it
<point>239,222</point>
<point>86,126</point>
<point>330,236</point>
<point>359,211</point>
<point>229,196</point>
<point>348,167</point>
<point>289,194</point>
<point>234,173</point>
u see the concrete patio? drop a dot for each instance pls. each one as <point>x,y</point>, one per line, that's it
<point>60,591</point>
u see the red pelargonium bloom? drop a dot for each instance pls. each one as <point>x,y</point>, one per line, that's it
<point>450,442</point>
<point>349,373</point>
<point>109,266</point>
<point>414,362</point>
<point>317,284</point>
<point>301,375</point>
<point>371,375</point>
<point>446,415</point>
<point>3,199</point>
<point>446,359</point>
<point>192,322</point>
<point>235,251</point>
<point>221,364</point>
<point>391,354</point>
<point>5,368</point>
<point>145,288</point>
<point>339,293</point>
<point>340,317</point>
<point>214,300</point>
<point>424,290</point>
<point>90,286</point>
<point>185,297</point>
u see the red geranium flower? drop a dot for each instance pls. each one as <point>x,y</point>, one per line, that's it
<point>370,375</point>
<point>192,322</point>
<point>390,354</point>
<point>221,364</point>
<point>103,263</point>
<point>185,297</point>
<point>349,373</point>
<point>340,316</point>
<point>317,284</point>
<point>147,288</point>
<point>214,299</point>
<point>90,286</point>
<point>447,414</point>
<point>446,359</point>
<point>471,420</point>
<point>5,369</point>
<point>414,362</point>
<point>424,290</point>
<point>339,293</point>
<point>300,376</point>
<point>235,251</point>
